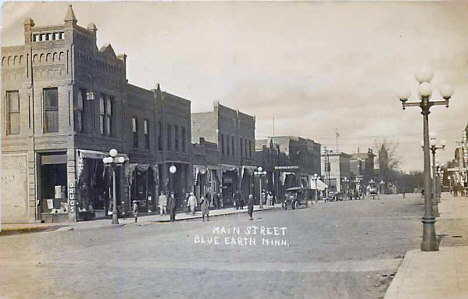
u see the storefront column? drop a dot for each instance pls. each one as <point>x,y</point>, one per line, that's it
<point>72,185</point>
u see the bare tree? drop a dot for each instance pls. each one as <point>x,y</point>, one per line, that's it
<point>388,160</point>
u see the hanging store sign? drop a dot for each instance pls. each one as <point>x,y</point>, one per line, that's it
<point>286,167</point>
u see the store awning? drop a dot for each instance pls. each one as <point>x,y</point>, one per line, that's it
<point>248,169</point>
<point>320,185</point>
<point>89,154</point>
<point>225,167</point>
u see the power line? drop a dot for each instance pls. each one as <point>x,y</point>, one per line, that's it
<point>355,137</point>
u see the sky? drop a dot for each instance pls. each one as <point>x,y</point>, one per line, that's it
<point>313,67</point>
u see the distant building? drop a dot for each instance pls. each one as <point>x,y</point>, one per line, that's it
<point>362,168</point>
<point>234,134</point>
<point>337,171</point>
<point>458,172</point>
<point>289,161</point>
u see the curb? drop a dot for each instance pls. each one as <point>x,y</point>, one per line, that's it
<point>216,215</point>
<point>77,227</point>
<point>87,227</point>
<point>393,289</point>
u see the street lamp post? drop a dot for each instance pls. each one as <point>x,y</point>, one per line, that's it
<point>113,161</point>
<point>316,187</point>
<point>439,181</point>
<point>327,169</point>
<point>259,172</point>
<point>434,147</point>
<point>172,171</point>
<point>202,182</point>
<point>442,173</point>
<point>424,76</point>
<point>345,182</point>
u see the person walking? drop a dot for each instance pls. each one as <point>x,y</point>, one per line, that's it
<point>221,204</point>
<point>192,203</point>
<point>135,210</point>
<point>162,204</point>
<point>186,205</point>
<point>241,201</point>
<point>172,206</point>
<point>262,199</point>
<point>205,208</point>
<point>209,198</point>
<point>250,204</point>
<point>216,200</point>
<point>269,199</point>
<point>237,200</point>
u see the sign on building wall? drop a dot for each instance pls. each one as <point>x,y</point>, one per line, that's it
<point>14,185</point>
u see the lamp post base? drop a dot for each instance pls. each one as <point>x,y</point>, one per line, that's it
<point>435,209</point>
<point>115,218</point>
<point>429,242</point>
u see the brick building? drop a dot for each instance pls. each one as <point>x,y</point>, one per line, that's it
<point>291,161</point>
<point>234,134</point>
<point>67,103</point>
<point>362,169</point>
<point>206,161</point>
<point>336,170</point>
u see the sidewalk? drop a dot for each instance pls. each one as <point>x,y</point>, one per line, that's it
<point>437,274</point>
<point>103,223</point>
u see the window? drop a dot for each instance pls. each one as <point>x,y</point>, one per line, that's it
<point>227,146</point>
<point>146,132</point>
<point>51,110</point>
<point>109,122</point>
<point>159,136</point>
<point>13,106</point>
<point>222,144</point>
<point>102,113</point>
<point>233,148</point>
<point>241,147</point>
<point>135,132</point>
<point>79,111</point>
<point>184,148</point>
<point>176,138</point>
<point>250,148</point>
<point>246,148</point>
<point>169,147</point>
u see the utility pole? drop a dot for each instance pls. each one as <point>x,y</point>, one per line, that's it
<point>336,138</point>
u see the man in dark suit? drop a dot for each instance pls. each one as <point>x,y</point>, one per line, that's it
<point>172,206</point>
<point>251,206</point>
